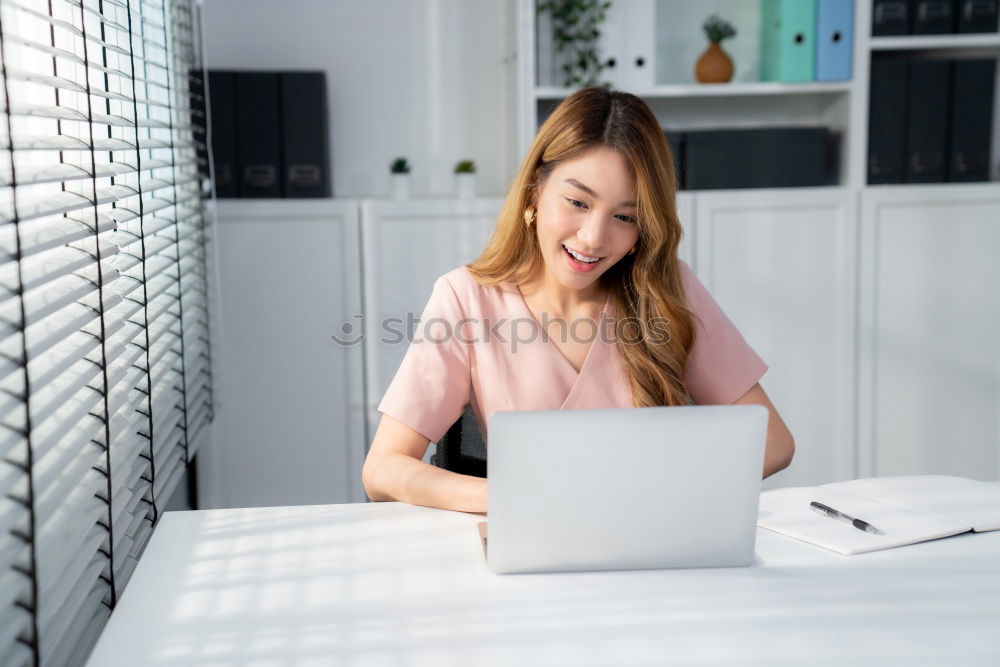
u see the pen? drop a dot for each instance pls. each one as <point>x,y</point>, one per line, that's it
<point>834,514</point>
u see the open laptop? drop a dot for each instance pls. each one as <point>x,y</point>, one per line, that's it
<point>623,488</point>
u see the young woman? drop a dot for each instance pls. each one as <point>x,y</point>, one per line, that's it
<point>578,301</point>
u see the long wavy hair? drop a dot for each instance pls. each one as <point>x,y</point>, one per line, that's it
<point>645,287</point>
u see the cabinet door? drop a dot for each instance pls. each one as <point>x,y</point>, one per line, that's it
<point>407,246</point>
<point>289,427</point>
<point>781,263</point>
<point>930,331</point>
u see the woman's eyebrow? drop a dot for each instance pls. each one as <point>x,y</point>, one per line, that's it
<point>576,183</point>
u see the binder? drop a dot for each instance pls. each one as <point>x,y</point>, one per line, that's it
<point>977,15</point>
<point>890,17</point>
<point>788,40</point>
<point>908,509</point>
<point>834,39</point>
<point>932,17</point>
<point>223,129</point>
<point>258,134</point>
<point>886,120</point>
<point>928,95</point>
<point>972,119</point>
<point>306,164</point>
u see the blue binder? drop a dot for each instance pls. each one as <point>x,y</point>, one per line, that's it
<point>834,39</point>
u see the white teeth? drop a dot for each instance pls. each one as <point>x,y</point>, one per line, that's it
<point>582,258</point>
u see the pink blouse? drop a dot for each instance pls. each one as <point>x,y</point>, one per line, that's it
<point>482,346</point>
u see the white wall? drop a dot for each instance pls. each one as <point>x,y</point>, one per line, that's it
<point>429,79</point>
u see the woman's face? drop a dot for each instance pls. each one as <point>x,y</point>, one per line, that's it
<point>586,206</point>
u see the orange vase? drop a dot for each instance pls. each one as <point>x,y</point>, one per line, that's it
<point>714,65</point>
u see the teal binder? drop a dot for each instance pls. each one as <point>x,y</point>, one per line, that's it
<point>787,40</point>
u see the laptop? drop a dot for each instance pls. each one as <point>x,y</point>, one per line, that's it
<point>623,488</point>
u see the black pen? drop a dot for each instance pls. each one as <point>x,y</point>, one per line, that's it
<point>834,514</point>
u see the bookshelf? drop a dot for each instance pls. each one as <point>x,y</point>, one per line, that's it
<point>639,31</point>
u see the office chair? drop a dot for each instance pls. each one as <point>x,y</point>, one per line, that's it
<point>462,449</point>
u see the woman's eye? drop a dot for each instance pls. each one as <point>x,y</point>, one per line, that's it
<point>624,218</point>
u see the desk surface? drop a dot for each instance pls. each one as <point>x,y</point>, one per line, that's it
<point>394,584</point>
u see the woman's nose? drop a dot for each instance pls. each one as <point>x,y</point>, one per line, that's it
<point>593,232</point>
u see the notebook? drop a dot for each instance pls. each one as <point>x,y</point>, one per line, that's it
<point>908,509</point>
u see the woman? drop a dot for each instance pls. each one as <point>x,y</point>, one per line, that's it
<point>585,246</point>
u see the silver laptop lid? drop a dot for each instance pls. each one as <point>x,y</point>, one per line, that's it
<point>624,488</point>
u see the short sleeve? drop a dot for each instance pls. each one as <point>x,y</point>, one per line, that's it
<point>721,366</point>
<point>433,384</point>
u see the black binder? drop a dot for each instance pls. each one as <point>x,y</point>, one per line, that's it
<point>928,95</point>
<point>306,165</point>
<point>976,15</point>
<point>932,17</point>
<point>890,17</point>
<point>886,120</point>
<point>223,129</point>
<point>258,134</point>
<point>972,118</point>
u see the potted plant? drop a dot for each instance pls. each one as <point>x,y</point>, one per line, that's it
<point>715,65</point>
<point>465,178</point>
<point>576,32</point>
<point>399,178</point>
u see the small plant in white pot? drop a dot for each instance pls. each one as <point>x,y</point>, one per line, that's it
<point>399,178</point>
<point>465,178</point>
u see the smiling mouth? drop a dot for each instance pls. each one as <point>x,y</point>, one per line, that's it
<point>580,257</point>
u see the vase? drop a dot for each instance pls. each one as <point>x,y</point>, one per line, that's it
<point>399,186</point>
<point>714,65</point>
<point>465,185</point>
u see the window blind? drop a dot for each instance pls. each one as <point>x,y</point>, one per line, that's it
<point>104,341</point>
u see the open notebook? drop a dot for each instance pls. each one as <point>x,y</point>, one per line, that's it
<point>908,509</point>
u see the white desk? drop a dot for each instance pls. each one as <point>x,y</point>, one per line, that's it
<point>393,584</point>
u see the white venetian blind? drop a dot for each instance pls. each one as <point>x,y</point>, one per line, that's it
<point>104,357</point>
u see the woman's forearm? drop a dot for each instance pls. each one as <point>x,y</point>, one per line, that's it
<point>777,454</point>
<point>409,480</point>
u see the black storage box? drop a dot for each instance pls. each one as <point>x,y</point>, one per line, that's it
<point>774,157</point>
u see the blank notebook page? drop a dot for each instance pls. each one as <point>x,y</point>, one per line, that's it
<point>964,501</point>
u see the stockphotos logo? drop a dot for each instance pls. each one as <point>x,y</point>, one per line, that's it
<point>514,332</point>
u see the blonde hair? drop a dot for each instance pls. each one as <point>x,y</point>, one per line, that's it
<point>645,287</point>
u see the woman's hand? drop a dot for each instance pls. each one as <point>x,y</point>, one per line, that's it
<point>394,470</point>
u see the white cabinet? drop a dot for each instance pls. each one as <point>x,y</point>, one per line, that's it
<point>407,245</point>
<point>929,393</point>
<point>289,425</point>
<point>781,264</point>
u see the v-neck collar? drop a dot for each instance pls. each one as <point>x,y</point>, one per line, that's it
<point>590,350</point>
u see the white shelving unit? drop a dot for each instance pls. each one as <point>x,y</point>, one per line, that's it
<point>634,32</point>
<point>921,42</point>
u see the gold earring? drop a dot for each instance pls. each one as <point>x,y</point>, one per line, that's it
<point>529,216</point>
<point>631,251</point>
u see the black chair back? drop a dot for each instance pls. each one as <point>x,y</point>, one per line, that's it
<point>462,449</point>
